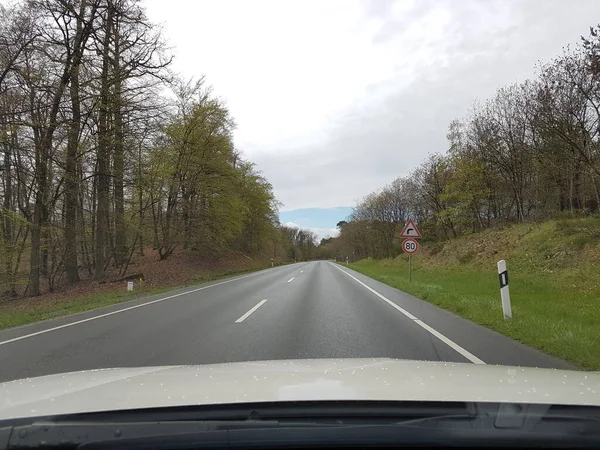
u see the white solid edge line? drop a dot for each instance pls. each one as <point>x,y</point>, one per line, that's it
<point>126,309</point>
<point>245,316</point>
<point>470,356</point>
<point>290,280</point>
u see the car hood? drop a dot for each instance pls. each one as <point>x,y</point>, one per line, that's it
<point>320,379</point>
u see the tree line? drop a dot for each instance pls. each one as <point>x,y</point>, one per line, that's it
<point>529,153</point>
<point>107,153</point>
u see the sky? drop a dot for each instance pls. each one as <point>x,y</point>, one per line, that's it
<point>322,221</point>
<point>333,99</point>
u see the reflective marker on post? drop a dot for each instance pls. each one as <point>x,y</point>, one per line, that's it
<point>503,278</point>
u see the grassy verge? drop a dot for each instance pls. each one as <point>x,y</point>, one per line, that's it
<point>15,314</point>
<point>12,317</point>
<point>554,310</point>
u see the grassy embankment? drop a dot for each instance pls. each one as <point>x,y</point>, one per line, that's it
<point>182,269</point>
<point>554,270</point>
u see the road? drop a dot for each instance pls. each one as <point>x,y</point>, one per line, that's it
<point>304,310</point>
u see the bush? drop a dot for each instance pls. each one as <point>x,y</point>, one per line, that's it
<point>466,257</point>
<point>435,248</point>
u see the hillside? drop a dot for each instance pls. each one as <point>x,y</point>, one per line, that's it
<point>554,282</point>
<point>544,247</point>
<point>181,269</point>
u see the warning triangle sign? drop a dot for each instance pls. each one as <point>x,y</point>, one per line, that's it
<point>410,230</point>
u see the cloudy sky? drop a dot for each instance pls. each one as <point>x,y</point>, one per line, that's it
<point>335,98</point>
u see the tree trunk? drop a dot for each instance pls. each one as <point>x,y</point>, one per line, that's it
<point>71,175</point>
<point>155,221</point>
<point>596,207</point>
<point>118,160</point>
<point>7,234</point>
<point>103,153</point>
<point>140,201</point>
<point>71,185</point>
<point>41,164</point>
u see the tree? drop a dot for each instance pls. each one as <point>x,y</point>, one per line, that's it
<point>530,151</point>
<point>83,18</point>
<point>95,162</point>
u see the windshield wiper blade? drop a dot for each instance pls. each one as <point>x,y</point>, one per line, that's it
<point>273,434</point>
<point>311,410</point>
<point>369,422</point>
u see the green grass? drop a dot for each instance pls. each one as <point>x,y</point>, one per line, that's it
<point>16,316</point>
<point>554,285</point>
<point>20,316</point>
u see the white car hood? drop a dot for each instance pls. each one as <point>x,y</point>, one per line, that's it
<point>319,379</point>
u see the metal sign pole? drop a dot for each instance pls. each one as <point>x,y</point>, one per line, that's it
<point>410,233</point>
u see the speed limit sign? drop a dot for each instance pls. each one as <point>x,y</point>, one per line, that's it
<point>410,246</point>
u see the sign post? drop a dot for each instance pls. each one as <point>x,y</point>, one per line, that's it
<point>410,246</point>
<point>504,293</point>
<point>410,233</point>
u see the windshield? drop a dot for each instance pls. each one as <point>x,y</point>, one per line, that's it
<point>226,202</point>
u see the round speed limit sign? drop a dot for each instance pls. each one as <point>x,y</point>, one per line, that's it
<point>410,246</point>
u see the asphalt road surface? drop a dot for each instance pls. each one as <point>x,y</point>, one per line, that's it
<point>305,310</point>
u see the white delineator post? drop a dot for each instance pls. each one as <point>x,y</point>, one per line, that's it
<point>504,293</point>
<point>130,285</point>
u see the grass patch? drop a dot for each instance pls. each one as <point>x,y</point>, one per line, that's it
<point>555,313</point>
<point>12,317</point>
<point>22,312</point>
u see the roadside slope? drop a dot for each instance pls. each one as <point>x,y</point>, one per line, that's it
<point>183,268</point>
<point>554,270</point>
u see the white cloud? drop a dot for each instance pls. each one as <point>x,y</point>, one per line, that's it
<point>335,98</point>
<point>322,233</point>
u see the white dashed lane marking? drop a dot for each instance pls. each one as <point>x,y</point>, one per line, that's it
<point>245,316</point>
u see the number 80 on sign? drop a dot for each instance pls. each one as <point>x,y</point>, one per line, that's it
<point>410,246</point>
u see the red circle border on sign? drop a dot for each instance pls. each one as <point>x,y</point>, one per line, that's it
<point>405,241</point>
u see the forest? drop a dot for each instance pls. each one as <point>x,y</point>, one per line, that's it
<point>530,153</point>
<point>107,154</point>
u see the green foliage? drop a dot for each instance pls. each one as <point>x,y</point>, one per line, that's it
<point>209,198</point>
<point>465,192</point>
<point>298,244</point>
